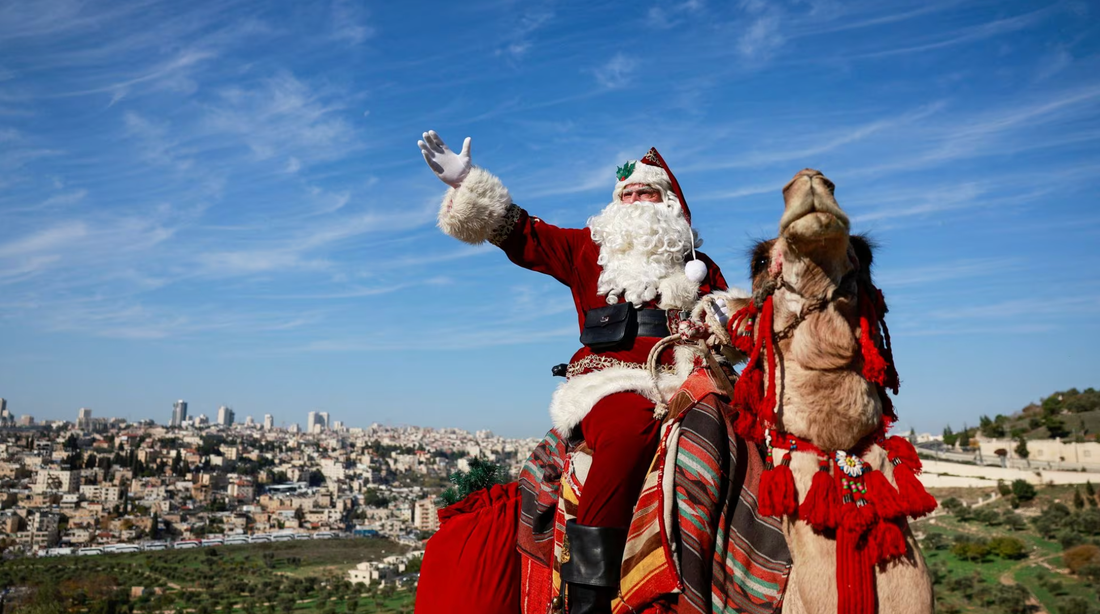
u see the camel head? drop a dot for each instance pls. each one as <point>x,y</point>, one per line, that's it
<point>812,278</point>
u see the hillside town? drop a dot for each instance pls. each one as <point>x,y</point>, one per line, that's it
<point>105,483</point>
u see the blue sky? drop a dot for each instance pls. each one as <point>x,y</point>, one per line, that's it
<point>224,202</point>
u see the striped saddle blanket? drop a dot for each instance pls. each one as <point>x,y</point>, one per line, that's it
<point>696,542</point>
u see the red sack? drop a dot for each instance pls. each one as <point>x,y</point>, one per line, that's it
<point>471,564</point>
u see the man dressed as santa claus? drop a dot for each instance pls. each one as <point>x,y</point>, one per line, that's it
<point>634,274</point>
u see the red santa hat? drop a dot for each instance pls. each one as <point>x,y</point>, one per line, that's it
<point>652,171</point>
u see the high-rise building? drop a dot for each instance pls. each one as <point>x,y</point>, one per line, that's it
<point>248,421</point>
<point>269,422</point>
<point>312,420</point>
<point>225,416</point>
<point>179,413</point>
<point>84,419</point>
<point>6,419</point>
<point>323,418</point>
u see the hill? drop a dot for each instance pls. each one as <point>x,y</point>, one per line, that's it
<point>1012,555</point>
<point>1065,414</point>
<point>281,577</point>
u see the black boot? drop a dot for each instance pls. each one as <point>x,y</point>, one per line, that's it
<point>591,569</point>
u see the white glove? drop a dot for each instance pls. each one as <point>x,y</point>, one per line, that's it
<point>451,168</point>
<point>721,311</point>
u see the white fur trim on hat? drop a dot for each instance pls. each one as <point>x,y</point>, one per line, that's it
<point>575,397</point>
<point>473,210</point>
<point>646,174</point>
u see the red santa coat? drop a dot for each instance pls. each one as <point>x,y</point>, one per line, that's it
<point>481,209</point>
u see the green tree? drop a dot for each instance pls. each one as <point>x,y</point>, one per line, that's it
<point>1021,448</point>
<point>1023,490</point>
<point>1008,548</point>
<point>949,437</point>
<point>1074,605</point>
<point>1078,500</point>
<point>1056,427</point>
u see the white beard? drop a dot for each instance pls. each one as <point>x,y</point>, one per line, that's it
<point>641,245</point>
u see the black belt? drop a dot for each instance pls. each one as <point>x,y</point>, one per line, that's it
<point>652,323</point>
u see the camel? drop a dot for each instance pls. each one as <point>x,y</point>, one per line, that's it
<point>814,385</point>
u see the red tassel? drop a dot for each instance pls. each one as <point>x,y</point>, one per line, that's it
<point>886,541</point>
<point>766,411</point>
<point>822,502</point>
<point>857,519</point>
<point>874,365</point>
<point>914,498</point>
<point>746,425</point>
<point>883,495</point>
<point>777,496</point>
<point>899,448</point>
<point>855,576</point>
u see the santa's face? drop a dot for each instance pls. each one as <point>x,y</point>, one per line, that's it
<point>640,192</point>
<point>642,243</point>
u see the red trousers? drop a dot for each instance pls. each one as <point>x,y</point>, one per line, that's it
<point>622,433</point>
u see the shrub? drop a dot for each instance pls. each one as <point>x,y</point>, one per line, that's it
<point>1074,605</point>
<point>971,550</point>
<point>1008,547</point>
<point>951,504</point>
<point>935,541</point>
<point>1070,538</point>
<point>1023,491</point>
<point>1078,557</point>
<point>1003,488</point>
<point>988,515</point>
<point>1012,599</point>
<point>1015,521</point>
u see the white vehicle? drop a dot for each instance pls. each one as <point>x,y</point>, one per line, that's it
<point>258,539</point>
<point>324,535</point>
<point>89,551</point>
<point>236,539</point>
<point>301,536</point>
<point>155,546</point>
<point>121,549</point>
<point>56,552</point>
<point>214,541</point>
<point>282,537</point>
<point>187,544</point>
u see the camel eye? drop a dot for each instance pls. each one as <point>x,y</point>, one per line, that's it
<point>759,264</point>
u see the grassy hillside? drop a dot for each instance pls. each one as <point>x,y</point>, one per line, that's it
<point>282,577</point>
<point>993,559</point>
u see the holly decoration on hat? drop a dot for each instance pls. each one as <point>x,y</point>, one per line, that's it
<point>625,171</point>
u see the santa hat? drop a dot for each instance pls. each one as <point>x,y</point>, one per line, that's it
<point>652,171</point>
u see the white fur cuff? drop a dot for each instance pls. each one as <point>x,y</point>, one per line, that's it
<point>575,397</point>
<point>473,210</point>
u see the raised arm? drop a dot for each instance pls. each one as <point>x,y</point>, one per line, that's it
<point>478,208</point>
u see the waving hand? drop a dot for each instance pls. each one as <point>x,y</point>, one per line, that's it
<point>450,167</point>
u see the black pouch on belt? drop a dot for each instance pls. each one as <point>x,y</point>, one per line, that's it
<point>608,327</point>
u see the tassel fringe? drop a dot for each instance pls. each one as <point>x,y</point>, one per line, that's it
<point>777,496</point>
<point>819,509</point>
<point>911,492</point>
<point>886,542</point>
<point>899,449</point>
<point>857,519</point>
<point>883,495</point>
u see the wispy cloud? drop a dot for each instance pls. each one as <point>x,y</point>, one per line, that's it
<point>521,29</point>
<point>350,23</point>
<point>283,116</point>
<point>761,35</point>
<point>616,72</point>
